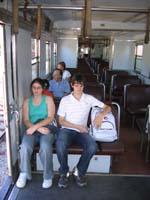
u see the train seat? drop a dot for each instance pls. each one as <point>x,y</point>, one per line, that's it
<point>117,85</point>
<point>144,130</point>
<point>136,100</point>
<point>96,90</point>
<point>104,155</point>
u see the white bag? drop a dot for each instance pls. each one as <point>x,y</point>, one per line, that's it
<point>107,132</point>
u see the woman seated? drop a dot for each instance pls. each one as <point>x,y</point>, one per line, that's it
<point>38,114</point>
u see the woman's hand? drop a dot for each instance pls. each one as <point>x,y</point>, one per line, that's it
<point>44,130</point>
<point>31,130</point>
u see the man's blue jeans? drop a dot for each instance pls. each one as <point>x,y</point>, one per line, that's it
<point>67,137</point>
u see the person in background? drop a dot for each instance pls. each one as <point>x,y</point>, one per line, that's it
<point>38,114</point>
<point>46,87</point>
<point>66,74</point>
<point>58,86</point>
<point>73,115</point>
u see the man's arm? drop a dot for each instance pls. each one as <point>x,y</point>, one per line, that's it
<point>98,119</point>
<point>65,123</point>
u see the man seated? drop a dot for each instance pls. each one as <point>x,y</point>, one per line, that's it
<point>58,86</point>
<point>73,115</point>
<point>66,74</point>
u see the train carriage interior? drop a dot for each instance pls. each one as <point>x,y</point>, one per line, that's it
<point>108,42</point>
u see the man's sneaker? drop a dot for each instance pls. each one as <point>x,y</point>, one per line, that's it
<point>47,183</point>
<point>63,181</point>
<point>75,171</point>
<point>80,180</point>
<point>22,180</point>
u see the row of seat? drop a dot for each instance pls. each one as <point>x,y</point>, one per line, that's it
<point>133,98</point>
<point>133,102</point>
<point>117,85</point>
<point>136,97</point>
<point>133,95</point>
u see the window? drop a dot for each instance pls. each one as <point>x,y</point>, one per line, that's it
<point>3,112</point>
<point>35,57</point>
<point>138,57</point>
<point>55,54</point>
<point>48,57</point>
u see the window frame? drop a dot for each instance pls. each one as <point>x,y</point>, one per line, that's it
<point>35,60</point>
<point>138,57</point>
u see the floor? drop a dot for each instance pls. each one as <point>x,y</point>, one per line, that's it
<point>99,188</point>
<point>132,161</point>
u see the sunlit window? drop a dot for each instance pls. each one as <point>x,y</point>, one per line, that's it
<point>34,49</point>
<point>35,57</point>
<point>55,53</point>
<point>3,150</point>
<point>48,57</point>
<point>138,57</point>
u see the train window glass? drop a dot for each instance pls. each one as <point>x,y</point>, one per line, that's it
<point>3,153</point>
<point>55,53</point>
<point>48,57</point>
<point>138,57</point>
<point>34,51</point>
<point>35,57</point>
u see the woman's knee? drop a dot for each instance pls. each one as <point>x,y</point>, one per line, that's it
<point>26,148</point>
<point>46,147</point>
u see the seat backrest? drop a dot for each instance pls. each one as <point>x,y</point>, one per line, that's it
<point>110,73</point>
<point>116,112</point>
<point>136,96</point>
<point>147,120</point>
<point>91,78</point>
<point>96,90</point>
<point>118,82</point>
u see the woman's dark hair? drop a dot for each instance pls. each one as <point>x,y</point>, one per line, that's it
<point>45,84</point>
<point>62,64</point>
<point>36,80</point>
<point>77,78</point>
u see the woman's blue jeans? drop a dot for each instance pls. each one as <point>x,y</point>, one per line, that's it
<point>26,149</point>
<point>67,137</point>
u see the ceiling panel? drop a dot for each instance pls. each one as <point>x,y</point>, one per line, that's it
<point>64,16</point>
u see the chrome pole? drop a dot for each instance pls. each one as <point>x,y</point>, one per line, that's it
<point>100,8</point>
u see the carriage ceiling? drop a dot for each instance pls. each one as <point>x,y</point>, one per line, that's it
<point>125,19</point>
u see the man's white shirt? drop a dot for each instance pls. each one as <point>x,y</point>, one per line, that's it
<point>66,74</point>
<point>77,111</point>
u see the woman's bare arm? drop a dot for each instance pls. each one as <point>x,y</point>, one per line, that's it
<point>33,127</point>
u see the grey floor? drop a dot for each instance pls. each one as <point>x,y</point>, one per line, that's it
<point>99,187</point>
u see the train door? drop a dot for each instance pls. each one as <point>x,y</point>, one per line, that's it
<point>11,115</point>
